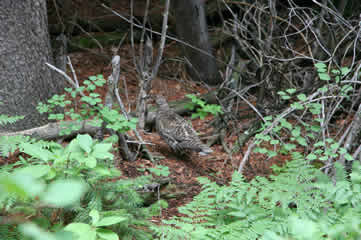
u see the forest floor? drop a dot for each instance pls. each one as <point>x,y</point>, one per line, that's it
<point>173,84</point>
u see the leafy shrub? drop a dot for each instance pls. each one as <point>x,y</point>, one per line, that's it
<point>72,182</point>
<point>203,109</point>
<point>89,107</point>
<point>116,204</point>
<point>24,191</point>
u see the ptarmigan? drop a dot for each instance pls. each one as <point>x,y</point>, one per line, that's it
<point>177,132</point>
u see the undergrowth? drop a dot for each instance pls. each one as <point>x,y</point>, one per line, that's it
<point>299,202</point>
<point>71,191</point>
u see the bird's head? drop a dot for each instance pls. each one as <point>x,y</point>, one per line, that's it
<point>161,101</point>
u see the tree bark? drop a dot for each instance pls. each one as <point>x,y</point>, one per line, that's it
<point>25,80</point>
<point>192,28</point>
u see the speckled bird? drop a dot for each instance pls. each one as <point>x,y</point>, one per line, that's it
<point>177,132</point>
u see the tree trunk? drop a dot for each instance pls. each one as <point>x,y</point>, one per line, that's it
<point>192,28</point>
<point>25,80</point>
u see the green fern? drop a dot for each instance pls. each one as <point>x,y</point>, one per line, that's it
<point>300,202</point>
<point>4,119</point>
<point>9,144</point>
<point>9,232</point>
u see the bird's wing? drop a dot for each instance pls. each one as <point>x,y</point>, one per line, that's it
<point>188,130</point>
<point>176,127</point>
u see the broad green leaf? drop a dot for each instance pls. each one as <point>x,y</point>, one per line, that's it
<point>311,157</point>
<point>335,71</point>
<point>303,228</point>
<point>319,144</point>
<point>64,235</point>
<point>321,70</point>
<point>329,140</point>
<point>268,118</point>
<point>36,151</point>
<point>345,71</point>
<point>85,142</point>
<point>289,146</point>
<point>74,148</point>
<point>36,171</point>
<point>297,106</point>
<point>302,141</point>
<point>94,214</point>
<point>34,232</point>
<point>324,76</point>
<point>302,97</point>
<point>102,171</point>
<point>334,146</point>
<point>291,90</point>
<point>91,162</point>
<point>323,89</point>
<point>107,234</point>
<point>315,128</point>
<point>286,124</point>
<point>92,78</point>
<point>29,184</point>
<point>10,186</point>
<point>63,193</point>
<point>101,151</point>
<point>348,157</point>
<point>320,65</point>
<point>82,230</point>
<point>355,176</point>
<point>190,106</point>
<point>107,221</point>
<point>296,132</point>
<point>94,95</point>
<point>51,174</point>
<point>261,150</point>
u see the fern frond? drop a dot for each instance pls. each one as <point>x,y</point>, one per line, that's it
<point>8,144</point>
<point>9,232</point>
<point>5,119</point>
<point>298,197</point>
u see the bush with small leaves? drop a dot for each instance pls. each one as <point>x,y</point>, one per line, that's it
<point>203,109</point>
<point>89,107</point>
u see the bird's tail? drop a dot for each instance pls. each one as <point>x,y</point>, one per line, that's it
<point>196,146</point>
<point>205,151</point>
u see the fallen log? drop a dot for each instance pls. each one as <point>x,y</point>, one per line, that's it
<point>51,131</point>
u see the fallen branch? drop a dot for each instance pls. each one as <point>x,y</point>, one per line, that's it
<point>51,131</point>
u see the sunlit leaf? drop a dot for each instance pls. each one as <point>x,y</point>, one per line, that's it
<point>107,221</point>
<point>85,142</point>
<point>35,232</point>
<point>82,230</point>
<point>107,234</point>
<point>62,193</point>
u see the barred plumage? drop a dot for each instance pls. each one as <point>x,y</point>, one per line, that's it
<point>176,131</point>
